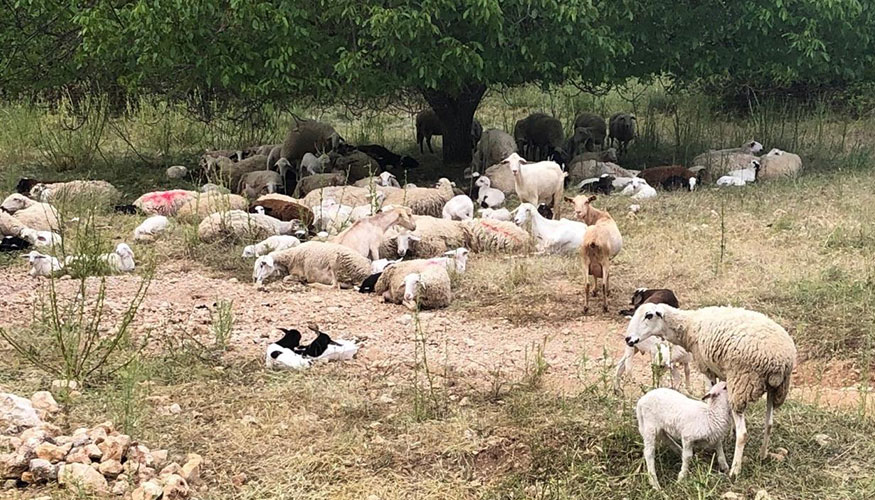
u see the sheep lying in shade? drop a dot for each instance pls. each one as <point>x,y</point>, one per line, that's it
<point>488,196</point>
<point>237,224</point>
<point>86,191</point>
<point>490,235</point>
<point>205,204</point>
<point>777,164</point>
<point>254,184</point>
<point>43,265</point>
<point>752,353</point>
<point>271,244</point>
<point>344,195</point>
<point>460,207</point>
<point>29,213</point>
<point>385,179</point>
<point>40,238</point>
<point>496,214</point>
<point>9,225</point>
<point>670,177</point>
<point>393,284</point>
<point>164,202</point>
<point>151,227</point>
<point>364,236</point>
<point>331,216</point>
<point>423,201</point>
<point>668,413</point>
<point>315,262</point>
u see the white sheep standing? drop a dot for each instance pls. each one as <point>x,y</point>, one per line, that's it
<point>496,214</point>
<point>271,244</point>
<point>43,265</point>
<point>536,183</point>
<point>551,236</point>
<point>752,353</point>
<point>663,355</point>
<point>151,227</point>
<point>668,413</point>
<point>40,238</point>
<point>488,196</point>
<point>638,189</point>
<point>460,207</point>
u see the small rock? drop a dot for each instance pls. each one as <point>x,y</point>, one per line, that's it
<point>239,480</point>
<point>175,409</point>
<point>386,399</point>
<point>404,319</point>
<point>119,488</point>
<point>16,413</point>
<point>464,401</point>
<point>316,300</point>
<point>10,484</point>
<point>140,454</point>
<point>249,420</point>
<point>150,490</point>
<point>332,310</point>
<point>53,453</point>
<point>175,488</point>
<point>78,455</point>
<point>43,400</point>
<point>61,385</point>
<point>93,452</point>
<point>191,470</point>
<point>159,457</point>
<point>110,468</point>
<point>12,465</point>
<point>97,435</point>
<point>762,495</point>
<point>114,447</point>
<point>731,496</point>
<point>171,468</point>
<point>822,439</point>
<point>80,475</point>
<point>43,471</point>
<point>27,477</point>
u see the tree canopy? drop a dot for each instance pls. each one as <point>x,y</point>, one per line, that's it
<point>448,51</point>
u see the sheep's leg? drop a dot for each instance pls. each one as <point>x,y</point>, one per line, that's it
<point>740,440</point>
<point>687,376</point>
<point>595,287</point>
<point>770,410</point>
<point>428,140</point>
<point>586,297</point>
<point>721,457</point>
<point>605,286</point>
<point>686,455</point>
<point>650,459</point>
<point>374,250</point>
<point>621,366</point>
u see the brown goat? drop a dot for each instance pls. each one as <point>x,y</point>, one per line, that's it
<point>671,177</point>
<point>650,296</point>
<point>601,243</point>
<point>284,211</point>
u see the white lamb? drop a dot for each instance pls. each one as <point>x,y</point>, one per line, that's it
<point>460,207</point>
<point>43,265</point>
<point>741,176</point>
<point>666,413</point>
<point>151,227</point>
<point>496,214</point>
<point>271,244</point>
<point>331,216</point>
<point>121,260</point>
<point>314,164</point>
<point>427,289</point>
<point>536,183</point>
<point>638,189</point>
<point>752,353</point>
<point>552,236</point>
<point>663,355</point>
<point>40,238</point>
<point>488,196</point>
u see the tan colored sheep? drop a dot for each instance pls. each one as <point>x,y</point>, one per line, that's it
<point>343,195</point>
<point>601,243</point>
<point>240,225</point>
<point>491,235</point>
<point>32,214</point>
<point>205,204</point>
<point>165,203</point>
<point>422,201</point>
<point>9,225</point>
<point>90,191</point>
<point>777,164</point>
<point>390,285</point>
<point>317,262</point>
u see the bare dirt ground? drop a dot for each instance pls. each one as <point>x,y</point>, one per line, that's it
<point>477,345</point>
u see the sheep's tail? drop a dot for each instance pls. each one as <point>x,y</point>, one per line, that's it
<point>595,255</point>
<point>778,387</point>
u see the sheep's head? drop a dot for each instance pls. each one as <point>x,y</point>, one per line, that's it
<point>460,256</point>
<point>409,162</point>
<point>34,256</point>
<point>583,208</point>
<point>386,179</point>
<point>282,164</point>
<point>483,182</point>
<point>692,182</point>
<point>15,202</point>
<point>717,391</point>
<point>249,251</point>
<point>405,218</point>
<point>264,268</point>
<point>403,243</point>
<point>411,284</point>
<point>753,147</point>
<point>648,321</point>
<point>523,213</point>
<point>513,162</point>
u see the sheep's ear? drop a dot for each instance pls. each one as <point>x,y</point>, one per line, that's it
<point>591,199</point>
<point>571,200</point>
<point>707,396</point>
<point>659,314</point>
<point>648,316</point>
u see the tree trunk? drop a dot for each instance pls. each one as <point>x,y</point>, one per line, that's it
<point>456,113</point>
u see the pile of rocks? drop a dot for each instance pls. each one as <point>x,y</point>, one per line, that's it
<point>95,460</point>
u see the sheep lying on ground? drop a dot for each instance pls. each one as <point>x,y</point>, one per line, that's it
<point>638,189</point>
<point>490,235</point>
<point>40,238</point>
<point>150,228</point>
<point>488,196</point>
<point>331,216</point>
<point>460,207</point>
<point>428,289</point>
<point>240,225</point>
<point>670,177</point>
<point>385,179</point>
<point>386,158</point>
<point>495,214</point>
<point>314,183</point>
<point>536,183</point>
<point>551,236</point>
<point>120,260</point>
<point>176,172</point>
<point>254,184</point>
<point>580,168</point>
<point>392,284</point>
<point>717,163</point>
<point>741,176</point>
<point>315,262</point>
<point>9,225</point>
<point>752,353</point>
<point>271,244</point>
<point>777,164</point>
<point>164,202</point>
<point>601,243</point>
<point>32,214</point>
<point>603,184</point>
<point>284,210</point>
<point>343,195</point>
<point>205,204</point>
<point>88,191</point>
<point>43,265</point>
<point>668,413</point>
<point>13,244</point>
<point>500,177</point>
<point>423,201</point>
<point>433,236</point>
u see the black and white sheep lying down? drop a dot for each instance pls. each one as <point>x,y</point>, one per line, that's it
<point>288,353</point>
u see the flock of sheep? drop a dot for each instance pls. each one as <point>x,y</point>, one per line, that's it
<point>364,230</point>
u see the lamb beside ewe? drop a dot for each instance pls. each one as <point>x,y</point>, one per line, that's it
<point>315,262</point>
<point>752,353</point>
<point>87,191</point>
<point>271,244</point>
<point>392,285</point>
<point>32,214</point>
<point>777,164</point>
